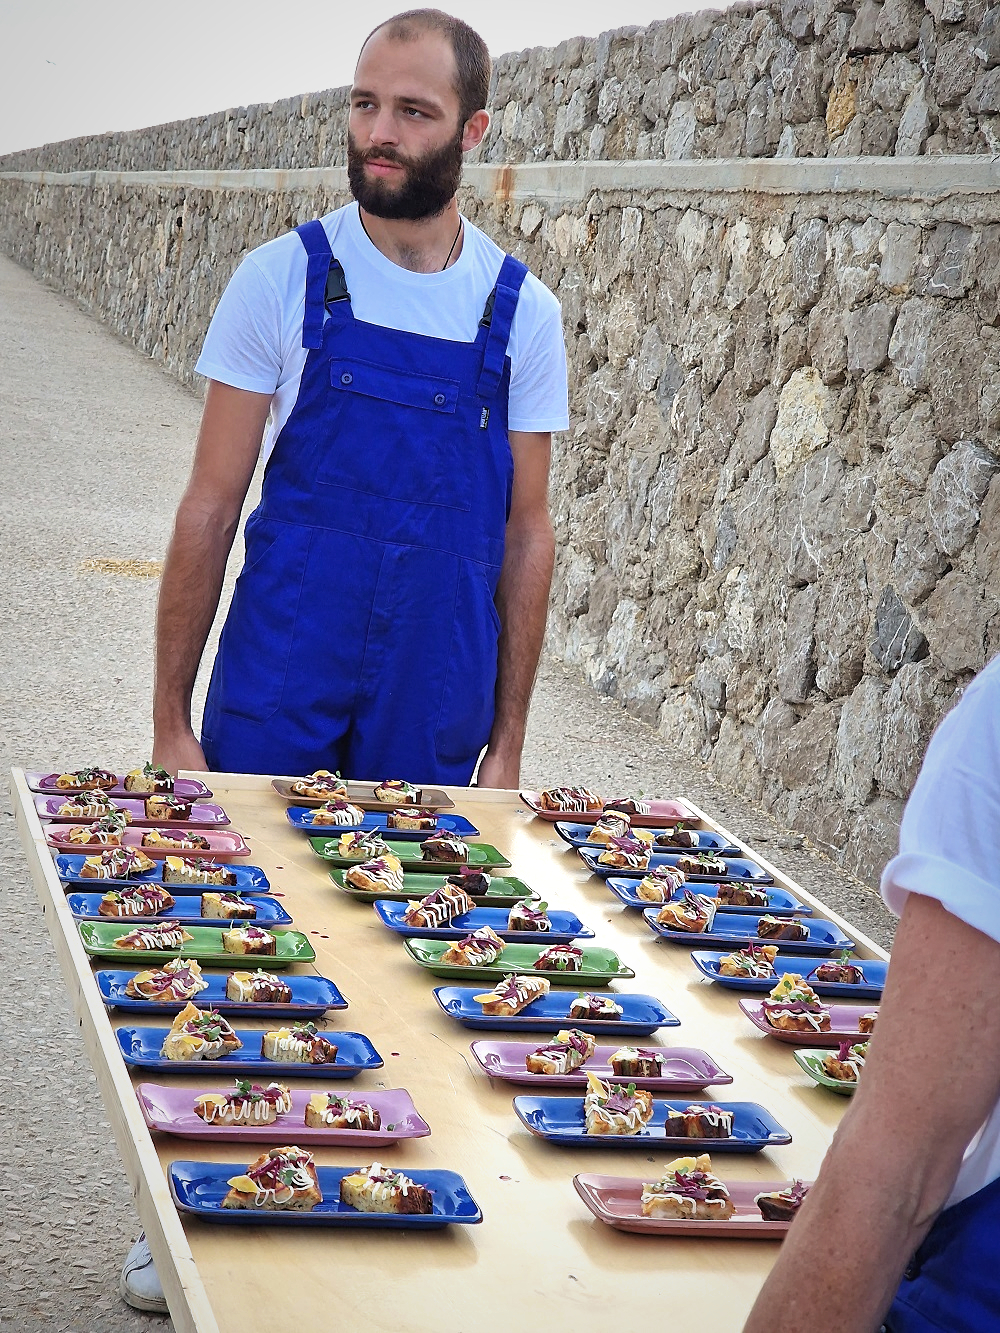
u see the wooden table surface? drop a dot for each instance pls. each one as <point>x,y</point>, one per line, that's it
<point>539,1255</point>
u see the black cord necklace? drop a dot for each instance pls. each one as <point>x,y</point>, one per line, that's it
<point>447,258</point>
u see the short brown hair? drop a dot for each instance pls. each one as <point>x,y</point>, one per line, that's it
<point>472,57</point>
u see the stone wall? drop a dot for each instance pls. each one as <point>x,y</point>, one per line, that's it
<point>777,507</point>
<point>789,78</point>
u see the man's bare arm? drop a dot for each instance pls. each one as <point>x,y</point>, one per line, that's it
<point>208,516</point>
<point>896,1154</point>
<point>522,601</point>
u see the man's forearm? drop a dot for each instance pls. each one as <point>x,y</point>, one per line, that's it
<point>189,598</point>
<point>522,601</point>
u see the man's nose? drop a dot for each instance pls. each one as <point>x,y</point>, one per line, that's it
<point>383,127</point>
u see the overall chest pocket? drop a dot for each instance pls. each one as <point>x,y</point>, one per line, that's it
<point>396,435</point>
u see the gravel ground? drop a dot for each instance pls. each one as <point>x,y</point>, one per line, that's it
<point>98,442</point>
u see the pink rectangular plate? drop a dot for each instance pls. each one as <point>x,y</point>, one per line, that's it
<point>171,1110</point>
<point>188,789</point>
<point>202,816</point>
<point>362,794</point>
<point>687,1069</point>
<point>662,813</point>
<point>843,1024</point>
<point>223,844</point>
<point>616,1201</point>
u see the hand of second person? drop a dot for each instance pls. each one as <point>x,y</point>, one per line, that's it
<point>177,752</point>
<point>496,771</point>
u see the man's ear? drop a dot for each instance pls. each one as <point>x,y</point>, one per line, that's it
<point>474,130</point>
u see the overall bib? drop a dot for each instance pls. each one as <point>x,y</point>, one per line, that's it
<point>953,1281</point>
<point>363,633</point>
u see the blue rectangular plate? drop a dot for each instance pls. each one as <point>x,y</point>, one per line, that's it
<point>311,997</point>
<point>565,926</point>
<point>871,988</point>
<point>199,1188</point>
<point>301,818</point>
<point>140,1048</point>
<point>576,836</point>
<point>739,868</point>
<point>249,879</point>
<point>186,910</point>
<point>738,929</point>
<point>779,902</point>
<point>560,1120</point>
<point>643,1014</point>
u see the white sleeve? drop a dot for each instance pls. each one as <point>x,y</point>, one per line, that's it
<point>949,841</point>
<point>538,394</point>
<point>243,344</point>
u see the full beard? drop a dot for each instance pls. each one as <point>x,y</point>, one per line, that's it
<point>428,185</point>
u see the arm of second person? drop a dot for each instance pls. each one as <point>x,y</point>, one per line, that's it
<point>522,600</point>
<point>896,1154</point>
<point>208,516</point>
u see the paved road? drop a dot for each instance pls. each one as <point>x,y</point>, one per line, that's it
<point>96,442</point>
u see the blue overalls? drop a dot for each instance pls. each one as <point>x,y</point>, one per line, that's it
<point>363,633</point>
<point>953,1281</point>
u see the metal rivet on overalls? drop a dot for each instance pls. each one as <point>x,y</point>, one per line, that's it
<point>347,378</point>
<point>439,399</point>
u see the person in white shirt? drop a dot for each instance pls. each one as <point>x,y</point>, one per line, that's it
<point>391,608</point>
<point>902,1228</point>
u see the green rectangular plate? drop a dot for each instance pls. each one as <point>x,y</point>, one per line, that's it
<point>503,891</point>
<point>205,945</point>
<point>812,1063</point>
<point>600,966</point>
<point>480,854</point>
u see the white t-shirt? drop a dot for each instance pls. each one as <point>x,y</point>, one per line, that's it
<point>255,338</point>
<point>949,849</point>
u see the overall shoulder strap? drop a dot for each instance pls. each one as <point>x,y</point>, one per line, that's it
<point>325,281</point>
<point>497,319</point>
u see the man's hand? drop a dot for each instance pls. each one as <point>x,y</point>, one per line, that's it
<point>498,771</point>
<point>177,752</point>
<point>522,602</point>
<point>207,520</point>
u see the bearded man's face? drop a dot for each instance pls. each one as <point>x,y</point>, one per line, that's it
<point>421,189</point>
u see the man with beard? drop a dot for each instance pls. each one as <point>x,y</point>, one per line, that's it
<point>390,612</point>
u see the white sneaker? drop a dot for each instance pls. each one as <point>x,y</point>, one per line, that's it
<point>139,1284</point>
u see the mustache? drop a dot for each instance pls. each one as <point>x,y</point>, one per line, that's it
<point>385,155</point>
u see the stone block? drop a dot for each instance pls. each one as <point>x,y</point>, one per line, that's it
<point>914,123</point>
<point>754,435</point>
<point>898,25</point>
<point>909,344</point>
<point>809,260</point>
<point>679,138</point>
<point>842,627</point>
<point>917,564</point>
<point>858,745</point>
<point>987,44</point>
<point>894,82</point>
<point>912,708</point>
<point>985,94</point>
<point>864,38</point>
<point>955,70</point>
<point>946,265</point>
<point>955,495</point>
<point>900,247</point>
<point>895,639</point>
<point>954,374</point>
<point>805,410</point>
<point>827,340</point>
<point>868,330</point>
<point>797,666</point>
<point>954,619</point>
<point>841,107</point>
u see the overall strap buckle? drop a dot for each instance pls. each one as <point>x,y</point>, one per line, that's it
<point>498,316</point>
<point>325,281</point>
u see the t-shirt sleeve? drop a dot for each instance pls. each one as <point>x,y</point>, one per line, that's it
<point>538,395</point>
<point>243,344</point>
<point>949,840</point>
